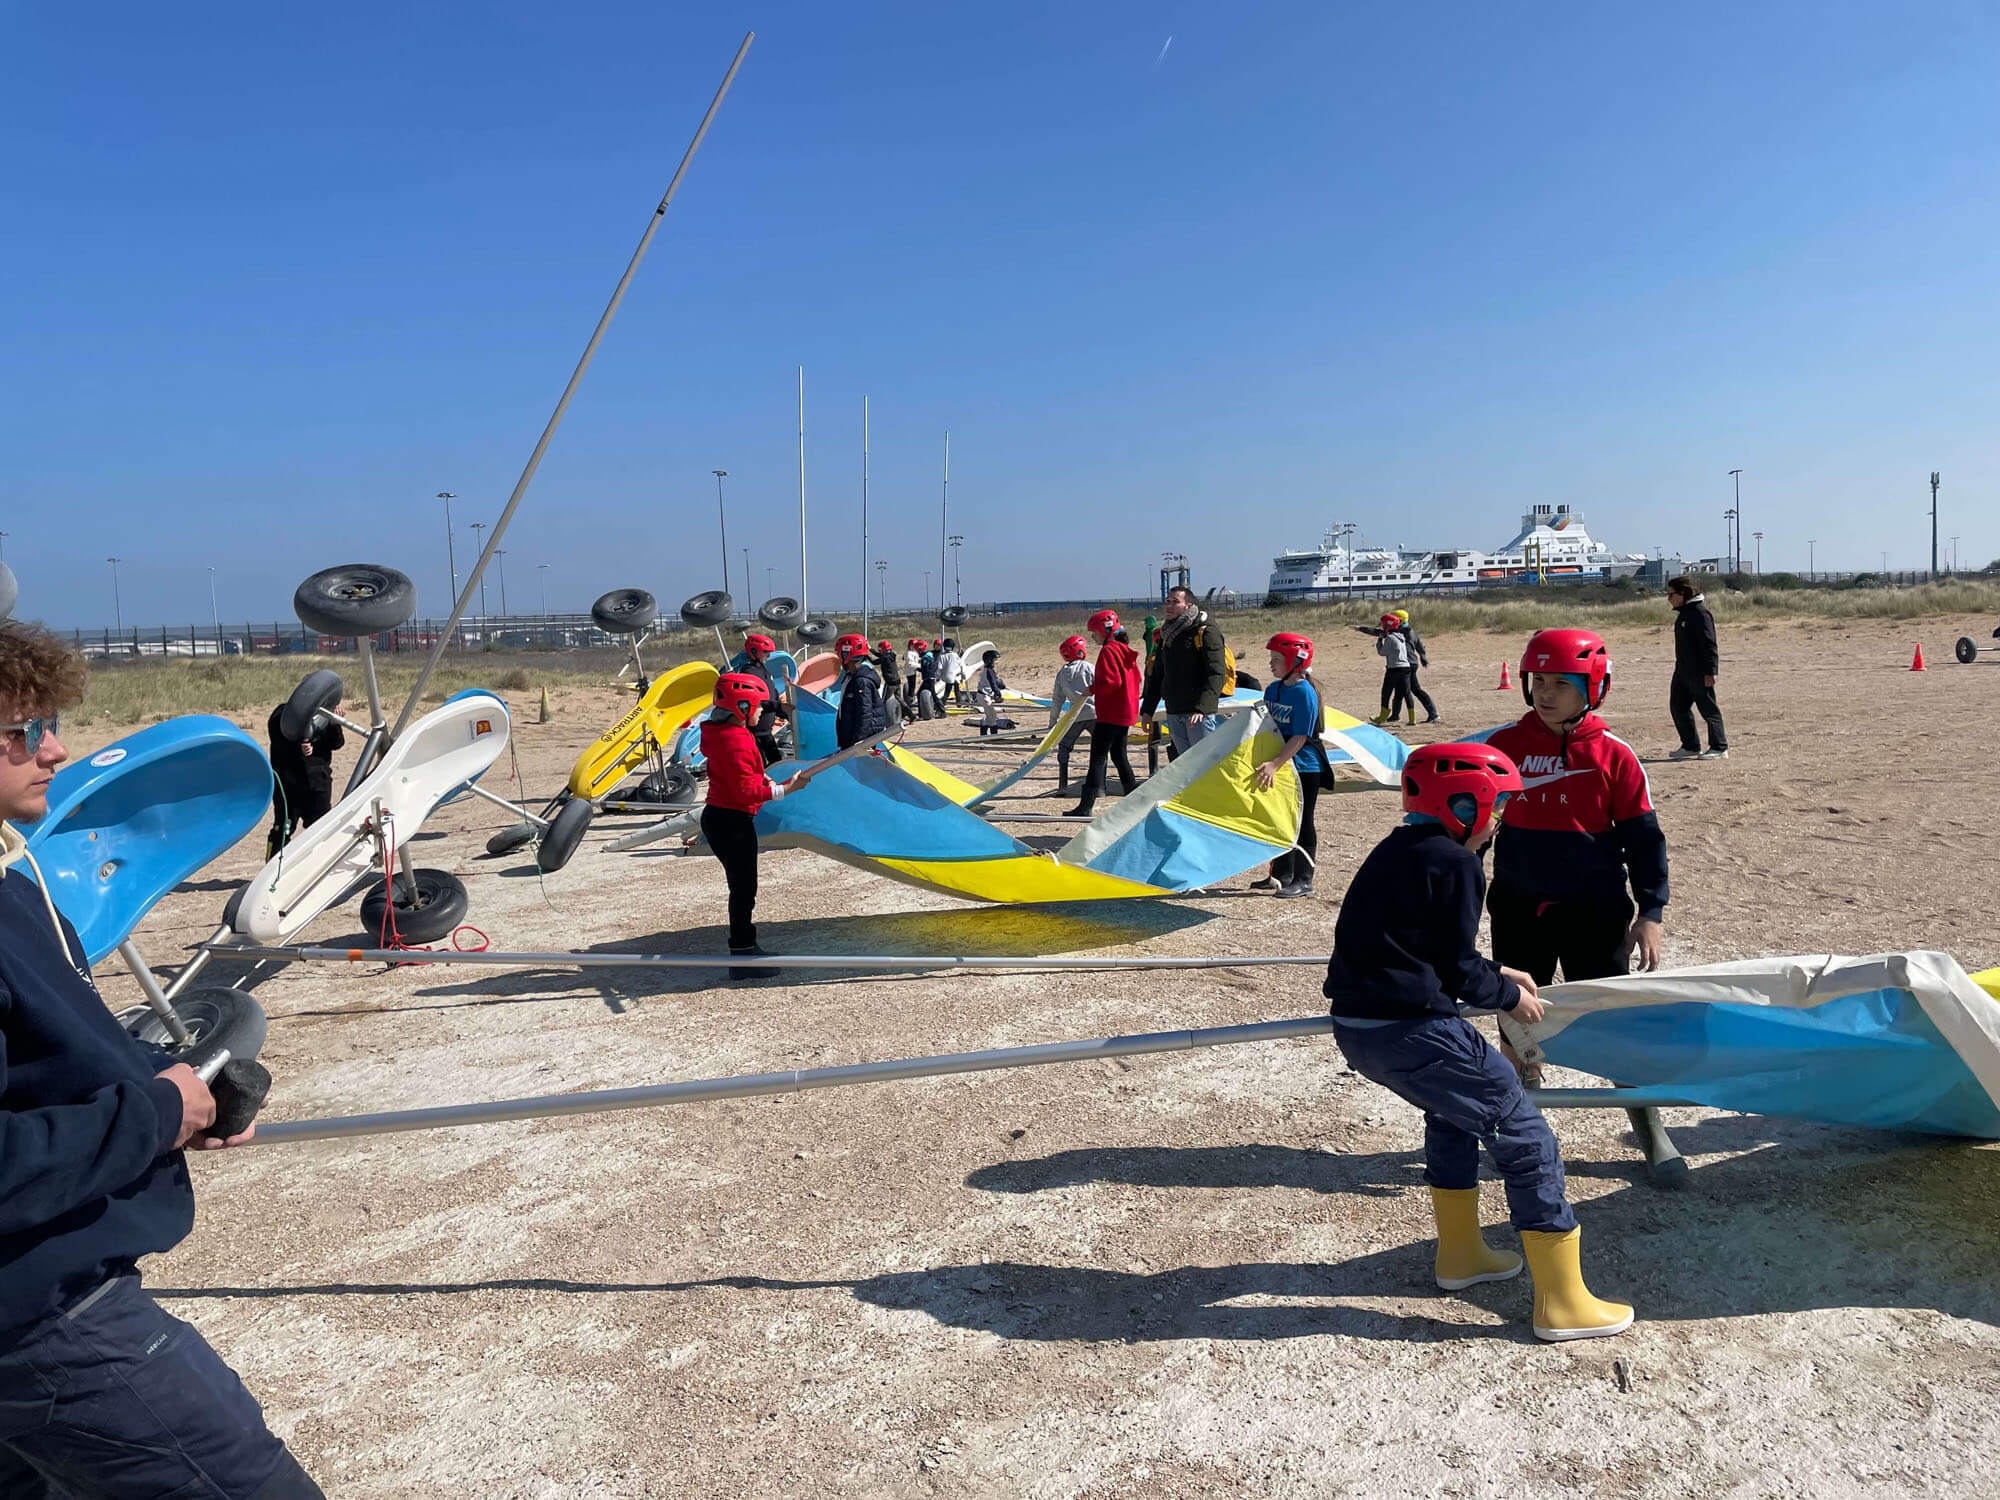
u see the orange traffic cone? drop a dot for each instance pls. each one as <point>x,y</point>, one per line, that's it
<point>1917,662</point>
<point>1504,683</point>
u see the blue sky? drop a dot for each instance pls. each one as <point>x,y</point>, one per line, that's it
<point>277,275</point>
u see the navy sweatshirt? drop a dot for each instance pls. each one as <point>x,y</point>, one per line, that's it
<point>1406,943</point>
<point>860,713</point>
<point>89,1181</point>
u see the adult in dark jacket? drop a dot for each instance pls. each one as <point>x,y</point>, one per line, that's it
<point>1696,664</point>
<point>1187,673</point>
<point>861,712</point>
<point>303,790</point>
<point>101,1392</point>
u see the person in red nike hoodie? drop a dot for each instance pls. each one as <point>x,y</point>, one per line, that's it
<point>1114,693</point>
<point>1581,831</point>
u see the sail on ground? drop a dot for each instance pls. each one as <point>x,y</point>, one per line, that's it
<point>1892,1041</point>
<point>1200,821</point>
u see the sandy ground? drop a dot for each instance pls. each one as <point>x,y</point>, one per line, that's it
<point>1195,1275</point>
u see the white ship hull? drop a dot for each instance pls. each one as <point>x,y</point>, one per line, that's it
<point>1552,547</point>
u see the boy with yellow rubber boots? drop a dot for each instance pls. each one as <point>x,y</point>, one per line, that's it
<point>1405,958</point>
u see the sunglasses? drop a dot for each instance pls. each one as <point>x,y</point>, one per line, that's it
<point>33,731</point>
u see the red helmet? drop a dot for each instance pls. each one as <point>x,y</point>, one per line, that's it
<point>1075,648</point>
<point>884,646</point>
<point>742,694</point>
<point>1462,786</point>
<point>850,648</point>
<point>1296,649</point>
<point>1103,624</point>
<point>915,644</point>
<point>757,647</point>
<point>1578,653</point>
<point>1390,622</point>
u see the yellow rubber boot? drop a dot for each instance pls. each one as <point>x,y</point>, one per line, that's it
<point>1463,1257</point>
<point>1564,1308</point>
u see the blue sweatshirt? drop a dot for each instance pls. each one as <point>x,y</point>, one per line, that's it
<point>1405,945</point>
<point>89,1181</point>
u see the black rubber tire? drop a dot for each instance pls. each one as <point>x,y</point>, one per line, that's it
<point>442,901</point>
<point>624,611</point>
<point>219,1018</point>
<point>953,614</point>
<point>782,613</point>
<point>1248,679</point>
<point>711,608</point>
<point>1967,650</point>
<point>355,599</point>
<point>507,840</point>
<point>10,591</point>
<point>316,692</point>
<point>565,832</point>
<point>675,785</point>
<point>818,632</point>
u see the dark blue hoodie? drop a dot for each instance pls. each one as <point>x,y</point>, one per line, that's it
<point>89,1181</point>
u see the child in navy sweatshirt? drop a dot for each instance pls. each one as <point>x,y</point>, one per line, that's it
<point>101,1392</point>
<point>1405,958</point>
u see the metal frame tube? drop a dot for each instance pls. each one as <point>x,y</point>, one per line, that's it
<point>149,986</point>
<point>513,807</point>
<point>792,1082</point>
<point>197,963</point>
<point>464,600</point>
<point>895,962</point>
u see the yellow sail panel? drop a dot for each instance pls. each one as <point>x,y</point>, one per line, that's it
<point>937,779</point>
<point>1017,878</point>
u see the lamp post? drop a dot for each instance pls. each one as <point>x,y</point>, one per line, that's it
<point>1812,559</point>
<point>1934,490</point>
<point>543,570</point>
<point>957,578</point>
<point>479,545</point>
<point>770,588</point>
<point>1953,564</point>
<point>1737,475</point>
<point>450,544</point>
<point>1722,563</point>
<point>722,525</point>
<point>1760,552</point>
<point>214,613</point>
<point>882,585</point>
<point>117,605</point>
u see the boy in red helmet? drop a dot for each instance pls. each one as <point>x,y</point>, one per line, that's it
<point>1405,959</point>
<point>755,660</point>
<point>1073,683</point>
<point>737,788</point>
<point>1115,694</point>
<point>1582,829</point>
<point>861,712</point>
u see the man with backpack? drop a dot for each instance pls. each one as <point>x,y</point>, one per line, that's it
<point>1190,674</point>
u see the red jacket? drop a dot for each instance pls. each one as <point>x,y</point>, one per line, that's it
<point>736,776</point>
<point>1115,689</point>
<point>1584,821</point>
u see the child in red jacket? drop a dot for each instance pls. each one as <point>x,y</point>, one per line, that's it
<point>1581,830</point>
<point>1115,694</point>
<point>737,788</point>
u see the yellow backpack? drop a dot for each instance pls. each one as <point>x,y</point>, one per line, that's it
<point>1228,662</point>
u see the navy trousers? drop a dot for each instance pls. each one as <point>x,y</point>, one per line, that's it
<point>1470,1096</point>
<point>115,1399</point>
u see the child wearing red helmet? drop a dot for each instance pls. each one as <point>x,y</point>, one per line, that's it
<point>1581,831</point>
<point>1073,684</point>
<point>737,788</point>
<point>1398,667</point>
<point>756,659</point>
<point>1405,959</point>
<point>861,712</point>
<point>1293,699</point>
<point>1115,695</point>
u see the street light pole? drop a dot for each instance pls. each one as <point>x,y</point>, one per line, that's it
<point>864,516</point>
<point>1728,541</point>
<point>722,525</point>
<point>957,578</point>
<point>450,543</point>
<point>543,570</point>
<point>882,584</point>
<point>480,545</point>
<point>117,605</point>
<point>1737,475</point>
<point>1934,490</point>
<point>215,613</point>
<point>1760,552</point>
<point>1812,559</point>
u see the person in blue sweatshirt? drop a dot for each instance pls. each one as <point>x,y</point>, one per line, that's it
<point>1405,959</point>
<point>102,1394</point>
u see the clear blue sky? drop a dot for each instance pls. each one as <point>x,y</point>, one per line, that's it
<point>275,275</point>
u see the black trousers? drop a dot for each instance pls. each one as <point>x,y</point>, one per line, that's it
<point>1107,744</point>
<point>1297,864</point>
<point>1066,744</point>
<point>733,837</point>
<point>1417,689</point>
<point>1689,695</point>
<point>1585,938</point>
<point>1396,691</point>
<point>297,802</point>
<point>115,1398</point>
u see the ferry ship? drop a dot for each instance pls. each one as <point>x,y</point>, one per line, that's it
<point>1553,546</point>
